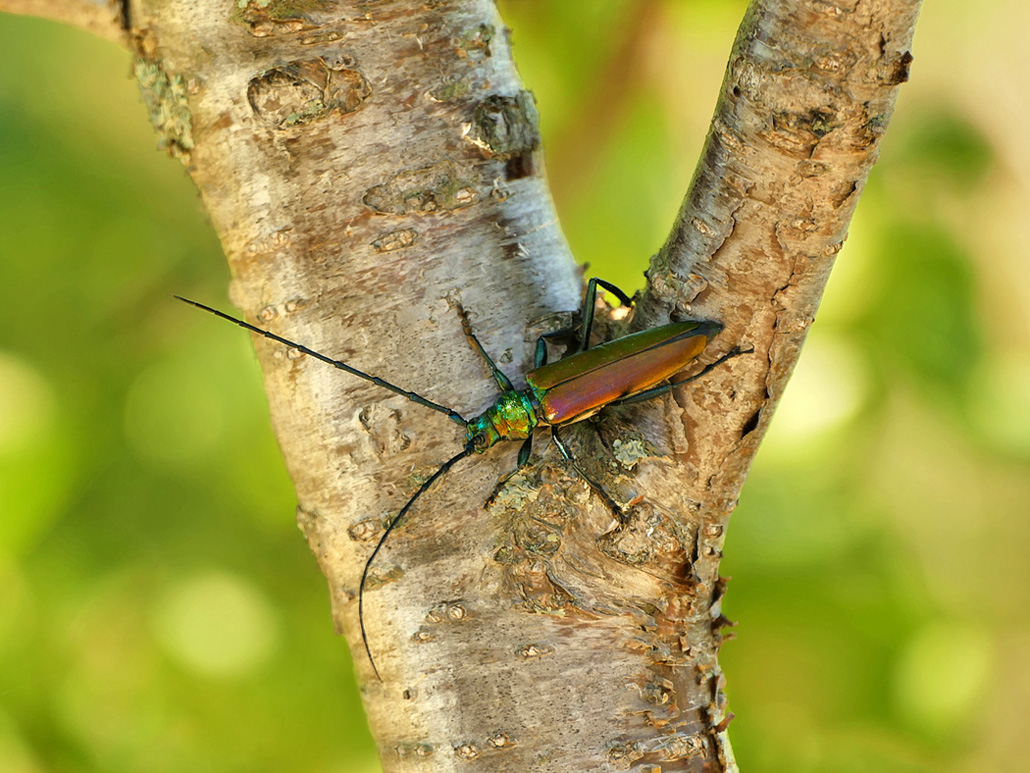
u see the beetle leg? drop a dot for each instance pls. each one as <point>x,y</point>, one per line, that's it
<point>567,455</point>
<point>658,391</point>
<point>560,444</point>
<point>540,355</point>
<point>624,299</point>
<point>582,332</point>
<point>589,304</point>
<point>466,325</point>
<point>525,451</point>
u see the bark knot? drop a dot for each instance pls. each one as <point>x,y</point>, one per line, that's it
<point>505,128</point>
<point>303,91</point>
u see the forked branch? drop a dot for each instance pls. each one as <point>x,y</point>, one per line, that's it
<point>365,164</point>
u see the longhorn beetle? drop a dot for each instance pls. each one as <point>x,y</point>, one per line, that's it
<point>626,370</point>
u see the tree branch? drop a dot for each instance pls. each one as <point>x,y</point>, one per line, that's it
<point>367,164</point>
<point>808,93</point>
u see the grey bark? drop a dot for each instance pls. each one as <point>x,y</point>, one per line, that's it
<point>365,164</point>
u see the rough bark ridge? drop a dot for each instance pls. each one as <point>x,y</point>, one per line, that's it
<point>368,163</point>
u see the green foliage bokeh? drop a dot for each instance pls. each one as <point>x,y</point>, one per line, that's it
<point>879,551</point>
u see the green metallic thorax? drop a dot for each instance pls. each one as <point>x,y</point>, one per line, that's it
<point>510,418</point>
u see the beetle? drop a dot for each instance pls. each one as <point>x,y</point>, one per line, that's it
<point>625,370</point>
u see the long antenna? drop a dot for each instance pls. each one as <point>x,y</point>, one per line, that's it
<point>468,450</point>
<point>451,414</point>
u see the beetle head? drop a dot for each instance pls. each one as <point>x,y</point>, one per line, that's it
<point>481,433</point>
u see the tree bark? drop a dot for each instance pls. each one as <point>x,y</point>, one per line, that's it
<point>368,163</point>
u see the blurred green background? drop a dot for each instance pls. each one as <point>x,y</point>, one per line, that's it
<point>159,610</point>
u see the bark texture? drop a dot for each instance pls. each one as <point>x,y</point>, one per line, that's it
<point>368,163</point>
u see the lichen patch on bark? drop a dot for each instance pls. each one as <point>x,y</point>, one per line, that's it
<point>166,97</point>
